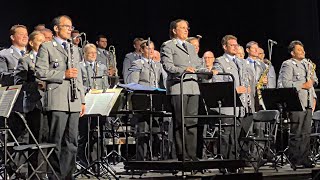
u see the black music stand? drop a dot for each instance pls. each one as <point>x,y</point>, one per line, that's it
<point>99,104</point>
<point>147,106</point>
<point>283,100</point>
<point>218,95</point>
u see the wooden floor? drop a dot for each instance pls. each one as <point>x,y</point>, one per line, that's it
<point>268,173</point>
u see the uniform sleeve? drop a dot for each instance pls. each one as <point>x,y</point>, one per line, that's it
<point>167,61</point>
<point>125,67</point>
<point>21,73</point>
<point>286,77</point>
<point>134,72</point>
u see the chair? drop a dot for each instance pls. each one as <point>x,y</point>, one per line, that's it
<point>28,150</point>
<point>315,137</point>
<point>261,138</point>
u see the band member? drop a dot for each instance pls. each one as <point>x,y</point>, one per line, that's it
<point>146,72</point>
<point>64,95</point>
<point>90,69</point>
<point>196,43</point>
<point>240,53</point>
<point>179,56</point>
<point>104,56</point>
<point>9,57</point>
<point>33,91</point>
<point>47,34</point>
<point>298,72</point>
<point>229,63</point>
<point>272,77</point>
<point>130,57</point>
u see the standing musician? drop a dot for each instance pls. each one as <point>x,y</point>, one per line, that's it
<point>299,72</point>
<point>104,56</point>
<point>64,95</point>
<point>144,71</point>
<point>90,69</point>
<point>32,92</point>
<point>179,56</point>
<point>229,63</point>
<point>130,57</point>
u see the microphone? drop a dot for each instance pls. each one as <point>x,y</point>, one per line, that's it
<point>272,41</point>
<point>79,35</point>
<point>199,36</point>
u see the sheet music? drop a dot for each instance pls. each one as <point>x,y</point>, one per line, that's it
<point>8,99</point>
<point>101,103</point>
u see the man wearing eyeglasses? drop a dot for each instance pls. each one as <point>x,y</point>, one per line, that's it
<point>58,65</point>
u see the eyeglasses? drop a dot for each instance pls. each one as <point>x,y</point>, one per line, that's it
<point>67,27</point>
<point>184,28</point>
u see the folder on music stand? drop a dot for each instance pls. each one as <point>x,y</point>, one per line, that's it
<point>212,93</point>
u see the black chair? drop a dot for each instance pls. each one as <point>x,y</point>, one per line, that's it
<point>261,138</point>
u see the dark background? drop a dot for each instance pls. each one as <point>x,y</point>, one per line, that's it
<point>123,20</point>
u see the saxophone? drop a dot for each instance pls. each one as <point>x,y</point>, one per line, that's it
<point>311,70</point>
<point>260,85</point>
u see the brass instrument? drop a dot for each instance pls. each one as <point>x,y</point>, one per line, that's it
<point>259,85</point>
<point>73,80</point>
<point>311,70</point>
<point>112,50</point>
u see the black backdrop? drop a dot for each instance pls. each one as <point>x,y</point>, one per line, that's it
<point>122,20</point>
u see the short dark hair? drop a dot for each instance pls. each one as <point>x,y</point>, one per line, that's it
<point>13,29</point>
<point>137,39</point>
<point>56,20</point>
<point>173,25</point>
<point>75,31</point>
<point>251,43</point>
<point>226,38</point>
<point>293,44</point>
<point>101,36</point>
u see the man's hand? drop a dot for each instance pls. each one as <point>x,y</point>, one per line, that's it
<point>71,73</point>
<point>307,85</point>
<point>83,109</point>
<point>265,80</point>
<point>111,71</point>
<point>241,89</point>
<point>215,72</point>
<point>190,69</point>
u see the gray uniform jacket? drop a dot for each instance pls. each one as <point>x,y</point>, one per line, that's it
<point>9,60</point>
<point>127,63</point>
<point>52,62</point>
<point>294,73</point>
<point>145,72</point>
<point>105,57</point>
<point>88,72</point>
<point>25,74</point>
<point>272,77</point>
<point>175,60</point>
<point>225,64</point>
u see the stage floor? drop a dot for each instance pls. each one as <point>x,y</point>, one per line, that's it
<point>268,173</point>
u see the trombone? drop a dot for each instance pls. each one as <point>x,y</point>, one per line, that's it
<point>112,50</point>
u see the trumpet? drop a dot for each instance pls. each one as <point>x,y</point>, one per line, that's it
<point>113,61</point>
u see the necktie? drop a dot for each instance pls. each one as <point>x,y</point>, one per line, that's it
<point>185,46</point>
<point>22,52</point>
<point>65,47</point>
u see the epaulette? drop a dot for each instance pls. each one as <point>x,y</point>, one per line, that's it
<point>168,41</point>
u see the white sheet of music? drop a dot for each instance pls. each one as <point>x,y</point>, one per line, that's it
<point>7,100</point>
<point>98,103</point>
<point>101,103</point>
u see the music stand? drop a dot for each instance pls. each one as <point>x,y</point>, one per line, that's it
<point>99,104</point>
<point>283,100</point>
<point>218,95</point>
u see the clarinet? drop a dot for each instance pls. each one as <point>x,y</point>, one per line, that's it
<point>73,80</point>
